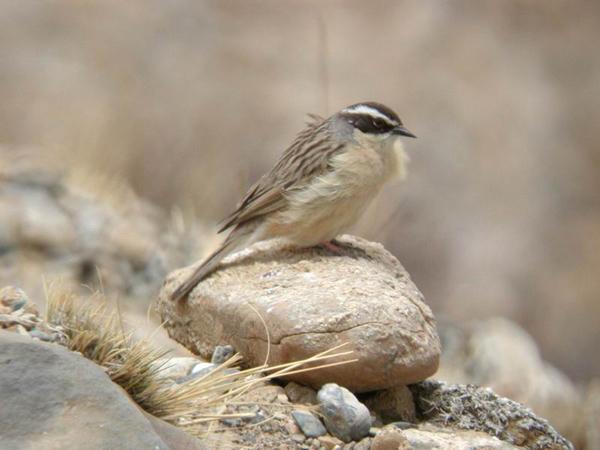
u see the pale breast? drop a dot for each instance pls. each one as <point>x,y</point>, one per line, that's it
<point>333,202</point>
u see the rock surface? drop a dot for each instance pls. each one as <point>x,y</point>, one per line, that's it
<point>438,438</point>
<point>60,400</point>
<point>345,417</point>
<point>395,404</point>
<point>311,301</point>
<point>470,407</point>
<point>499,354</point>
<point>390,439</point>
<point>300,394</point>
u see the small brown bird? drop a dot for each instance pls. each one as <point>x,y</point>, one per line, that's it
<point>319,187</point>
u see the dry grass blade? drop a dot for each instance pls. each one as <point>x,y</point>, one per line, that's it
<point>95,332</point>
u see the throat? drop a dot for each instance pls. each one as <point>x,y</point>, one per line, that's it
<point>398,160</point>
<point>386,151</point>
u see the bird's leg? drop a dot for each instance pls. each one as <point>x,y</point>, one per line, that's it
<point>333,246</point>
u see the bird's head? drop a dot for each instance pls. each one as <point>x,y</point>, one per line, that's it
<point>373,120</point>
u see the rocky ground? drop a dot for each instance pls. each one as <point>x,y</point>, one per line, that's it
<point>269,304</point>
<point>56,388</point>
<point>276,305</point>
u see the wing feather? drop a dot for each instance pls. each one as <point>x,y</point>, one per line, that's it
<point>308,156</point>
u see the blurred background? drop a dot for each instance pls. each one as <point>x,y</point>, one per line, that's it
<point>189,102</point>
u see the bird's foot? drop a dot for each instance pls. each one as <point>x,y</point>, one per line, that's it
<point>333,246</point>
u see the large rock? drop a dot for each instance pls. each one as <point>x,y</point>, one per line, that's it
<point>499,354</point>
<point>60,400</point>
<point>311,301</point>
<point>470,407</point>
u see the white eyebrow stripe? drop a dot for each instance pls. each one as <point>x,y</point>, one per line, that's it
<point>364,109</point>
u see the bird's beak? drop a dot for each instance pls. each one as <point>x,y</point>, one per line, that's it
<point>402,131</point>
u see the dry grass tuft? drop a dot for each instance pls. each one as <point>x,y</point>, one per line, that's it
<point>97,333</point>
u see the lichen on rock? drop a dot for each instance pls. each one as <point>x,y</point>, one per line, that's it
<point>470,407</point>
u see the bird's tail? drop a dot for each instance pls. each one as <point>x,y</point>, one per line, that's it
<point>236,240</point>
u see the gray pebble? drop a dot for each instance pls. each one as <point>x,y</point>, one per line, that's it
<point>18,304</point>
<point>201,369</point>
<point>221,354</point>
<point>297,438</point>
<point>232,422</point>
<point>310,425</point>
<point>345,417</point>
<point>35,333</point>
<point>259,416</point>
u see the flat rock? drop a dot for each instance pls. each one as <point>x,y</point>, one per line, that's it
<point>310,425</point>
<point>310,301</point>
<point>61,400</point>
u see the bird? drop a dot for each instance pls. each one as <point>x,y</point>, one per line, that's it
<point>318,188</point>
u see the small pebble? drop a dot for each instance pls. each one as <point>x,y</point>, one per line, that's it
<point>198,371</point>
<point>37,334</point>
<point>232,422</point>
<point>310,425</point>
<point>298,438</point>
<point>282,398</point>
<point>330,442</point>
<point>345,417</point>
<point>202,368</point>
<point>259,416</point>
<point>18,304</point>
<point>221,354</point>
<point>298,393</point>
<point>390,439</point>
